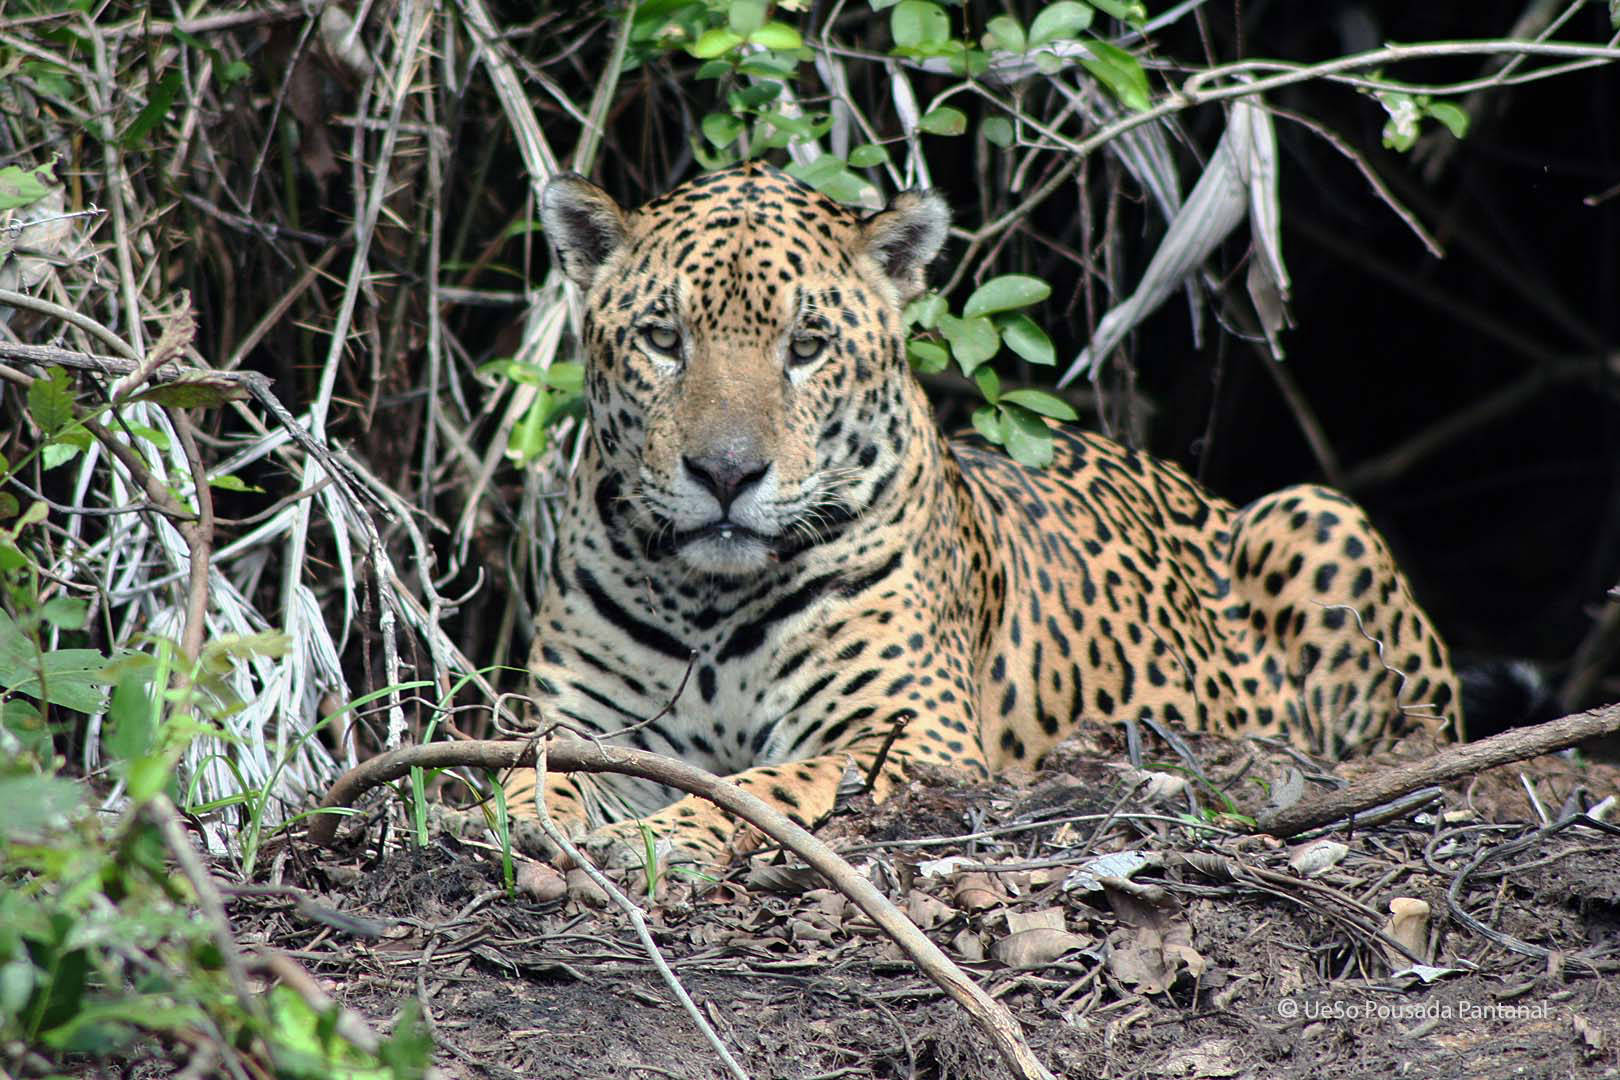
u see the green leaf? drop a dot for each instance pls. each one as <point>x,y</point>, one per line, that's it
<point>529,438</point>
<point>713,69</point>
<point>27,726</point>
<point>566,375</point>
<point>847,188</point>
<point>408,1050</point>
<point>50,402</point>
<point>777,36</point>
<point>927,357</point>
<point>65,612</point>
<point>20,186</point>
<point>721,129</point>
<point>987,422</point>
<point>816,172</point>
<point>1042,402</point>
<point>713,43</point>
<point>151,435</point>
<point>58,453</point>
<point>1007,33</point>
<point>989,383</point>
<point>1024,337</point>
<point>194,390</point>
<point>33,802</point>
<point>925,310</point>
<point>754,97</point>
<point>766,66</point>
<point>8,507</point>
<point>73,679</point>
<point>793,125</point>
<point>1450,115</point>
<point>1118,70</point>
<point>868,155</point>
<point>1028,439</point>
<point>973,341</point>
<point>148,775</point>
<point>11,558</point>
<point>917,24</point>
<point>998,130</point>
<point>968,63</point>
<point>1005,293</point>
<point>159,100</point>
<point>1129,11</point>
<point>232,482</point>
<point>746,16</point>
<point>67,445</point>
<point>130,711</point>
<point>828,175</point>
<point>224,651</point>
<point>944,121</point>
<point>1064,19</point>
<point>1402,128</point>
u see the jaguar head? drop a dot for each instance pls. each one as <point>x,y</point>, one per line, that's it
<point>745,364</point>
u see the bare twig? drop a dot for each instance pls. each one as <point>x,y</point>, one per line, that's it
<point>1449,764</point>
<point>634,914</point>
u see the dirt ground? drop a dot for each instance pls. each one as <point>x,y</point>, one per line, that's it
<point>1195,951</point>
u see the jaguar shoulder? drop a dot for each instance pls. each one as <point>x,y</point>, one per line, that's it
<point>765,507</point>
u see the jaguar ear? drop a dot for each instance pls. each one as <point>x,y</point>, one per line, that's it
<point>905,238</point>
<point>584,224</point>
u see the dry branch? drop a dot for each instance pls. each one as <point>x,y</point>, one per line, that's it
<point>575,755</point>
<point>1449,764</point>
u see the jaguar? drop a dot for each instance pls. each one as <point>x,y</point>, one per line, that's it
<point>772,564</point>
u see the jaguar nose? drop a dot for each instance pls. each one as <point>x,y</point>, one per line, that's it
<point>727,476</point>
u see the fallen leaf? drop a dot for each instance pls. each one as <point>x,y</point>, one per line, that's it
<point>1426,973</point>
<point>976,891</point>
<point>540,882</point>
<point>926,911</point>
<point>1213,1058</point>
<point>1036,947</point>
<point>1286,791</point>
<point>1136,958</point>
<point>944,867</point>
<point>828,902</point>
<point>790,880</point>
<point>969,946</point>
<point>1408,924</point>
<point>582,890</point>
<point>1121,864</point>
<point>1044,919</point>
<point>802,930</point>
<point>1317,857</point>
<point>1155,942</point>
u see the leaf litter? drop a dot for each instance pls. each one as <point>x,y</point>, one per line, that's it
<point>1130,938</point>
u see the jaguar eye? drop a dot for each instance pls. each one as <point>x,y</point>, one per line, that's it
<point>805,349</point>
<point>662,339</point>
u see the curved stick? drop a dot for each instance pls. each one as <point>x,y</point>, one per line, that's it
<point>576,755</point>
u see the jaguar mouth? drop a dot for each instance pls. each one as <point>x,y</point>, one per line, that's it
<point>725,531</point>
<point>726,541</point>
<point>723,540</point>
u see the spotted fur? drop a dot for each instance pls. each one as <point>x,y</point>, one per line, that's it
<point>765,498</point>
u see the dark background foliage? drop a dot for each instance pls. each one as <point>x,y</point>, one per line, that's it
<point>1469,402</point>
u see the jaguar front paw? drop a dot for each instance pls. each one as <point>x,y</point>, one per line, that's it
<point>642,844</point>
